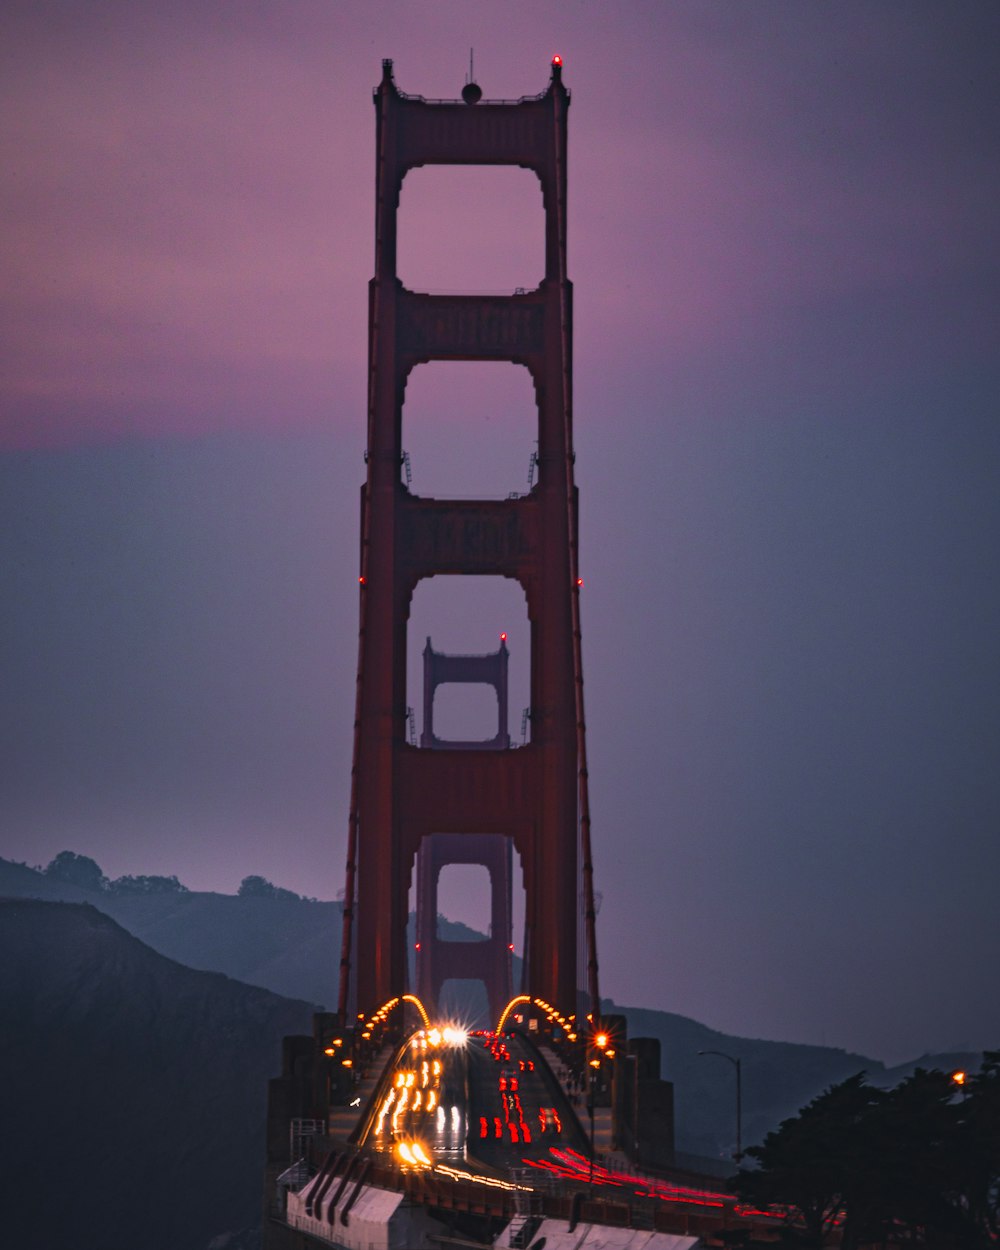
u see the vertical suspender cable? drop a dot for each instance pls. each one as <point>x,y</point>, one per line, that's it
<point>590,911</point>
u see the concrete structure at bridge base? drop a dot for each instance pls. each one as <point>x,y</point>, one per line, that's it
<point>560,1235</point>
<point>366,1219</point>
<point>643,1106</point>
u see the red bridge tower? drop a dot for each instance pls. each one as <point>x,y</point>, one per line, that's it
<point>401,794</point>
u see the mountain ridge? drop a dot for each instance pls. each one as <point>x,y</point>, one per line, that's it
<point>134,1099</point>
<point>291,946</point>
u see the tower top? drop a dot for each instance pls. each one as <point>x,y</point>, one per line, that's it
<point>471,92</point>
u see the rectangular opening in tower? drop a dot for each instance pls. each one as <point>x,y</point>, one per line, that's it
<point>470,430</point>
<point>464,898</point>
<point>470,616</point>
<point>471,229</point>
<point>464,711</point>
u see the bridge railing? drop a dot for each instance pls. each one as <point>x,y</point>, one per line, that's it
<point>575,1202</point>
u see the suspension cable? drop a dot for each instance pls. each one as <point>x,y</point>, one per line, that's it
<point>590,911</point>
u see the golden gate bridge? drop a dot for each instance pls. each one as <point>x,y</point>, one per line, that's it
<point>390,1126</point>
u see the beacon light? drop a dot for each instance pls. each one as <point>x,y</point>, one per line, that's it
<point>503,637</point>
<point>557,59</point>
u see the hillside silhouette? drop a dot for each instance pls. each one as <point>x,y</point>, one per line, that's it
<point>291,946</point>
<point>134,1092</point>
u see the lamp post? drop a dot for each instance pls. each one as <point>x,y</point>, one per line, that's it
<point>739,1098</point>
<point>600,1041</point>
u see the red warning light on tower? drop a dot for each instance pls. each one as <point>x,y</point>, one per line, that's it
<point>557,59</point>
<point>503,637</point>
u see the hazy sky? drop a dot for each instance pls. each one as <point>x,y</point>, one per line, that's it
<point>783,241</point>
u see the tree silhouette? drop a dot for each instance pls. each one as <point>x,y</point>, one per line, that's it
<point>806,1163</point>
<point>978,1199</point>
<point>260,887</point>
<point>147,885</point>
<point>914,1164</point>
<point>76,870</point>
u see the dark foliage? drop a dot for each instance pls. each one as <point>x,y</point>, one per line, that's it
<point>260,887</point>
<point>147,885</point>
<point>76,869</point>
<point>918,1163</point>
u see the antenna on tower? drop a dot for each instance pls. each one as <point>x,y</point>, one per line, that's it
<point>471,92</point>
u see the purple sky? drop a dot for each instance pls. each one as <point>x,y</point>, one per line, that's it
<point>784,247</point>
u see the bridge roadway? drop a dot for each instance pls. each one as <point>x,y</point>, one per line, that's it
<point>489,1102</point>
<point>477,1134</point>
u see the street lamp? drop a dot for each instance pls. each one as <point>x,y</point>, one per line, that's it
<point>600,1041</point>
<point>739,1098</point>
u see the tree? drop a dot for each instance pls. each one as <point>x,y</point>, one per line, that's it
<point>806,1162</point>
<point>914,1163</point>
<point>147,885</point>
<point>260,887</point>
<point>905,1163</point>
<point>977,1199</point>
<point>76,870</point>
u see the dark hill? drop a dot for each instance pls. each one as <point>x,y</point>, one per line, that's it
<point>134,1089</point>
<point>292,946</point>
<point>288,945</point>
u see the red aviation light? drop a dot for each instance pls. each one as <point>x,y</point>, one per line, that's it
<point>557,60</point>
<point>503,637</point>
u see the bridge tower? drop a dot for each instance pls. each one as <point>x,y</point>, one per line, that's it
<point>438,959</point>
<point>400,794</point>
